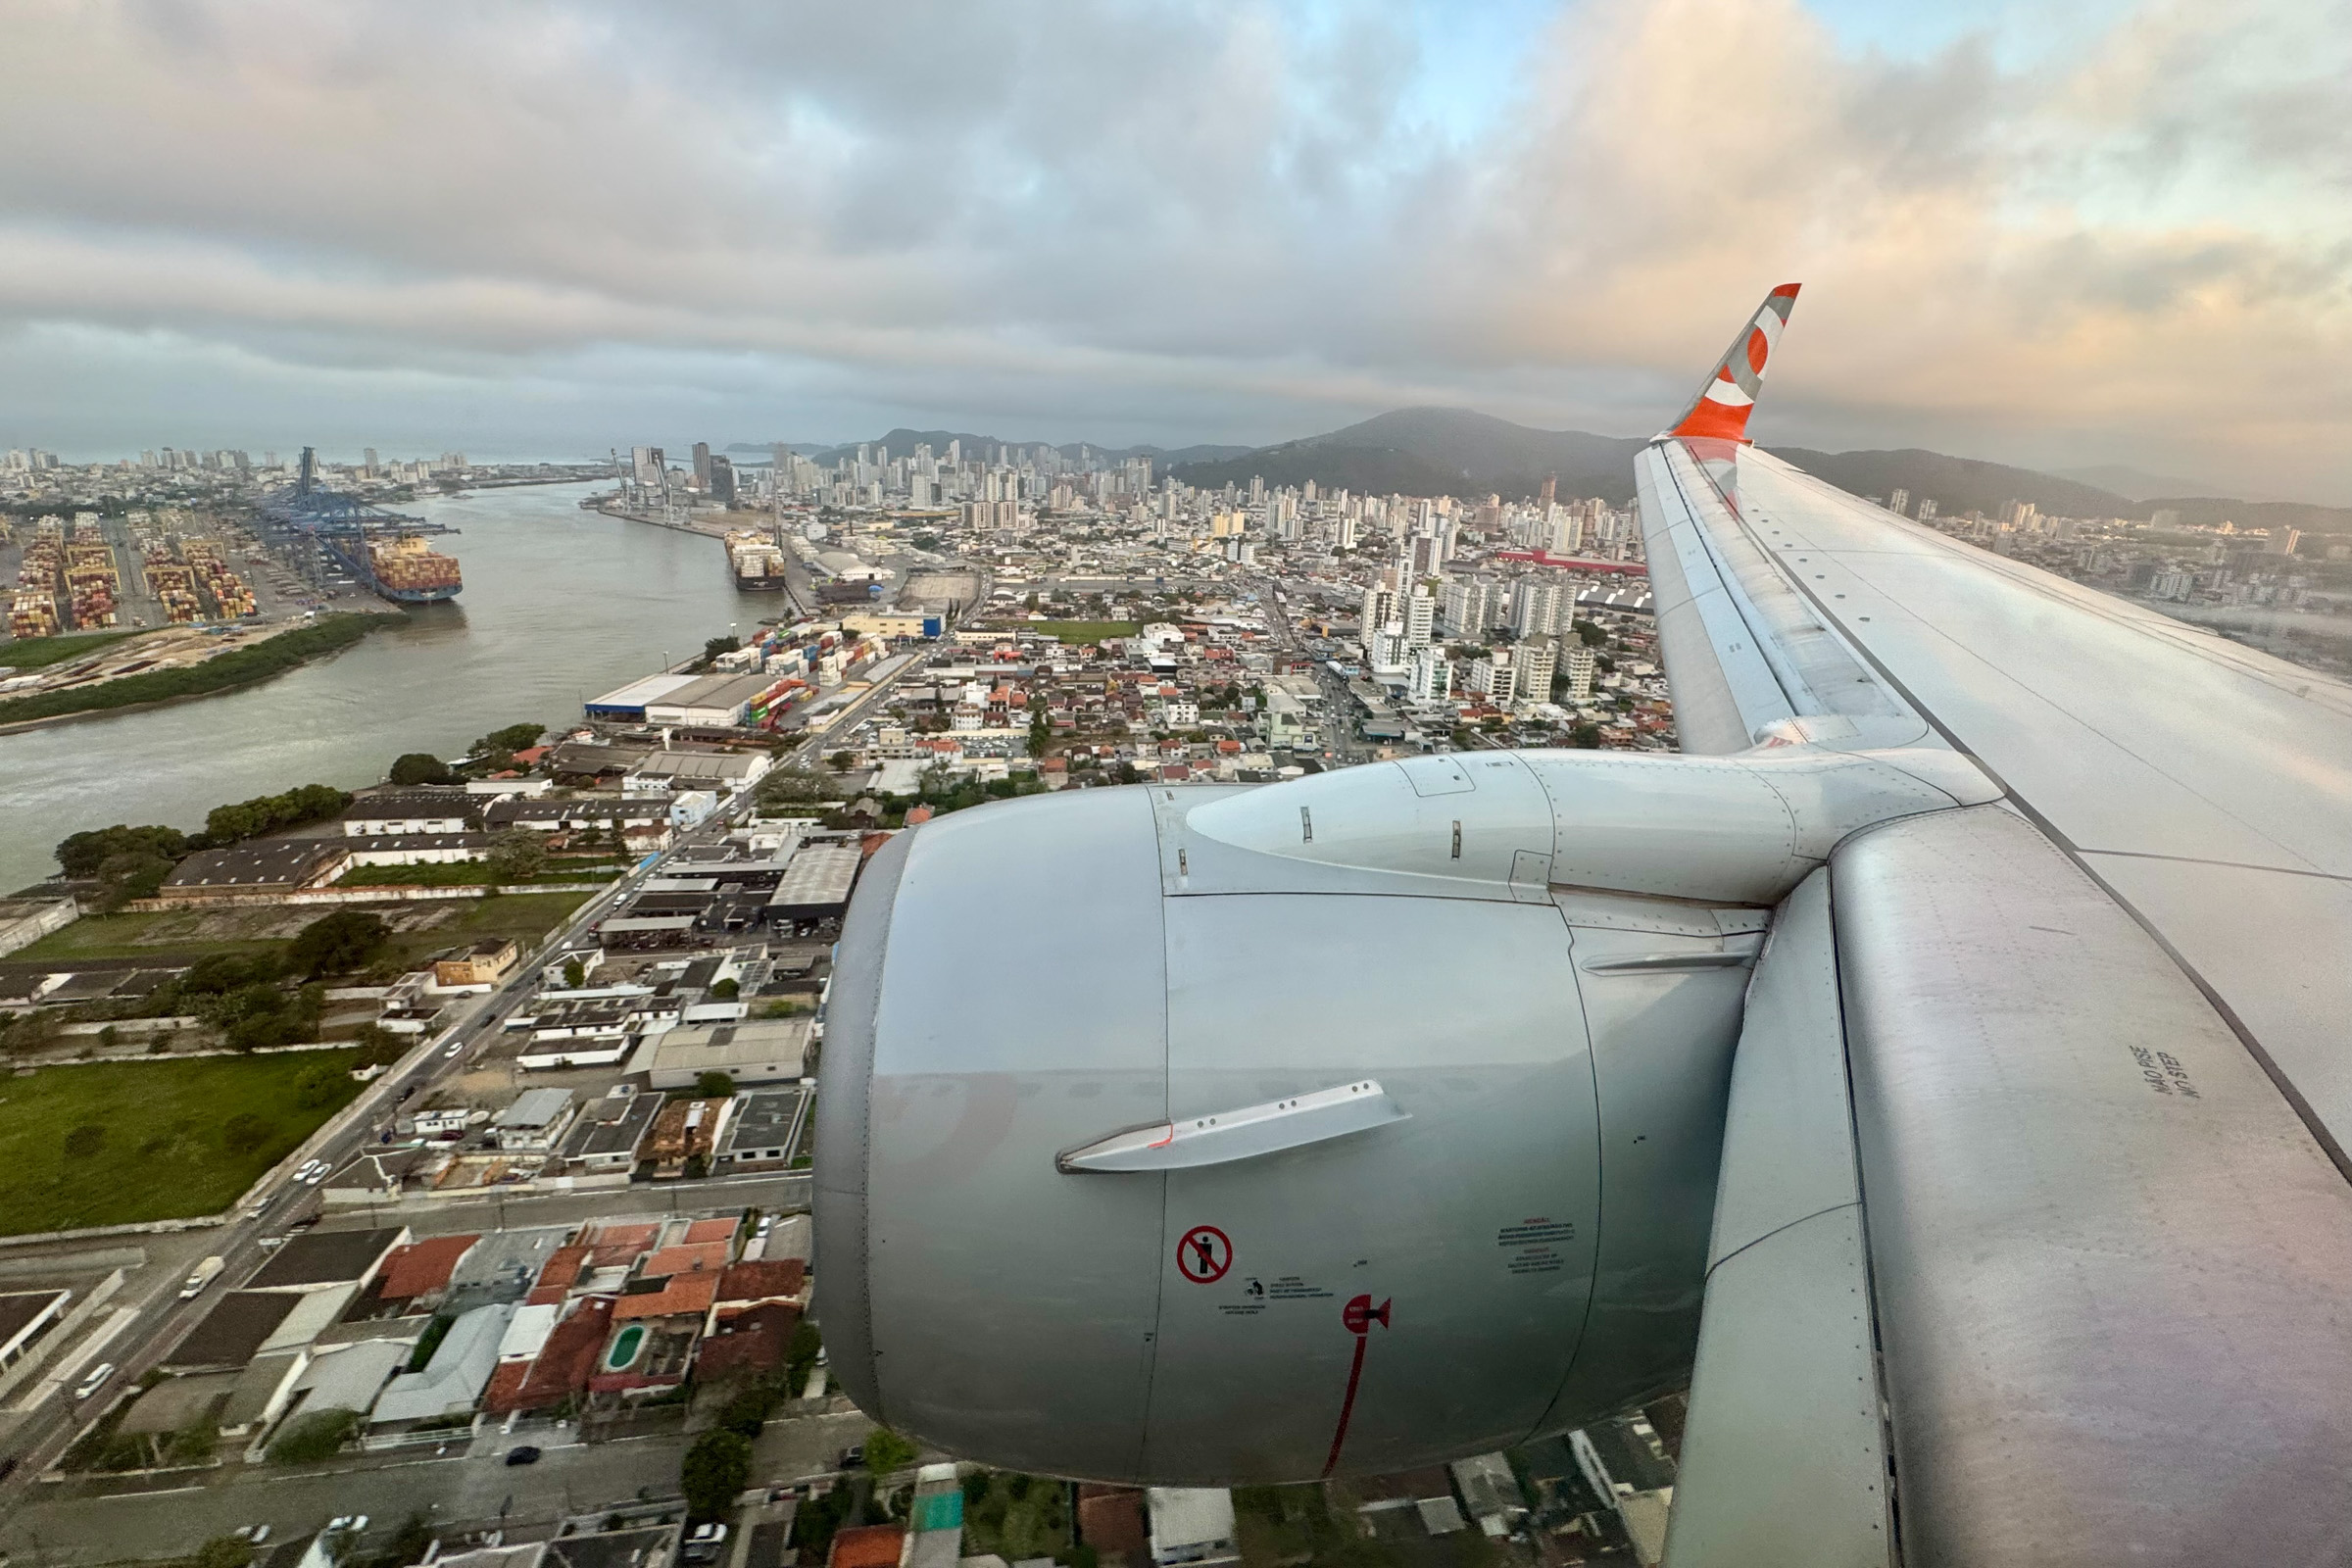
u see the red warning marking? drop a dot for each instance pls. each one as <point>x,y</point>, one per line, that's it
<point>1205,1254</point>
<point>1359,1315</point>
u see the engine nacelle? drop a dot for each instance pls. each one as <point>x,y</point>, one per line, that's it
<point>1206,1134</point>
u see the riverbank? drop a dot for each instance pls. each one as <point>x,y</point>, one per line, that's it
<point>561,603</point>
<point>297,645</point>
<point>708,528</point>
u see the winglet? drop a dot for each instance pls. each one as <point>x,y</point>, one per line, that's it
<point>1721,408</point>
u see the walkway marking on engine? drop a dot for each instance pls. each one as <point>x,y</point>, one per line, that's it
<point>1205,1254</point>
<point>1359,1315</point>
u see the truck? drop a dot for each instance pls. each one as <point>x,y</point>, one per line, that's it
<point>202,1277</point>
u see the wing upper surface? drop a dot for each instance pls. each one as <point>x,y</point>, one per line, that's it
<point>2209,786</point>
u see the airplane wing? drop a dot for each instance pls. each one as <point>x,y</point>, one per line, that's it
<point>2073,1287</point>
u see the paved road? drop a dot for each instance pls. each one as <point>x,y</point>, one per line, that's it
<point>452,1489</point>
<point>772,1192</point>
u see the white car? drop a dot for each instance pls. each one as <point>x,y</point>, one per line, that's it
<point>95,1381</point>
<point>353,1522</point>
<point>454,1045</point>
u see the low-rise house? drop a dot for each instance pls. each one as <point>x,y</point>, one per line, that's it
<point>761,1050</point>
<point>560,1369</point>
<point>687,1131</point>
<point>454,1379</point>
<point>605,1135</point>
<point>414,1277</point>
<point>764,1132</point>
<point>483,963</point>
<point>535,1121</point>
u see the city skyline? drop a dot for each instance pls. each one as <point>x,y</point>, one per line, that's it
<point>553,229</point>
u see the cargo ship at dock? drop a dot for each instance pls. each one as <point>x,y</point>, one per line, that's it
<point>403,568</point>
<point>383,551</point>
<point>756,561</point>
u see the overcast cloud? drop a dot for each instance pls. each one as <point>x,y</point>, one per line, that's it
<point>548,229</point>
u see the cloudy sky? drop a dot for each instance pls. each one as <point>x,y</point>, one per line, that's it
<point>2125,237</point>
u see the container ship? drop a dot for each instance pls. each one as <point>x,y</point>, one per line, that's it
<point>404,569</point>
<point>756,561</point>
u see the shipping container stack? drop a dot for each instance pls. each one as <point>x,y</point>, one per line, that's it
<point>32,609</point>
<point>93,582</point>
<point>227,591</point>
<point>407,565</point>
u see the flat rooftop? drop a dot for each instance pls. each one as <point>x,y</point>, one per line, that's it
<point>326,1257</point>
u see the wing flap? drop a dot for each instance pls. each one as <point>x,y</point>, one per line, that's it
<point>1783,1463</point>
<point>2110,1264</point>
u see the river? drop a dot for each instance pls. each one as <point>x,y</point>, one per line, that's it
<point>560,605</point>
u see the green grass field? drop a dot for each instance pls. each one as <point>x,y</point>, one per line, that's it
<point>524,917</point>
<point>165,1153</point>
<point>175,935</point>
<point>38,653</point>
<point>1084,631</point>
<point>183,936</point>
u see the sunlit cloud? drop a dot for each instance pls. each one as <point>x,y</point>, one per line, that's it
<point>558,226</point>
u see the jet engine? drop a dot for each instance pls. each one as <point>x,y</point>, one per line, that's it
<point>1208,1133</point>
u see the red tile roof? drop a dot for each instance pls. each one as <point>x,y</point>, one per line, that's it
<point>868,1546</point>
<point>559,1274</point>
<point>562,1368</point>
<point>424,1267</point>
<point>686,1258</point>
<point>608,1244</point>
<point>751,1339</point>
<point>768,1278</point>
<point>684,1293</point>
<point>714,1230</point>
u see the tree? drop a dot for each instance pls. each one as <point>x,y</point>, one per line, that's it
<point>309,1438</point>
<point>266,813</point>
<point>518,856</point>
<point>886,1452</point>
<point>412,768</point>
<point>575,976</point>
<point>842,761</point>
<point>131,874</point>
<point>319,1086</point>
<point>713,1472</point>
<point>339,942</point>
<point>714,1085</point>
<point>727,990</point>
<point>83,854</point>
<point>715,646</point>
<point>497,749</point>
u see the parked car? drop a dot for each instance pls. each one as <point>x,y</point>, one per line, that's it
<point>526,1454</point>
<point>852,1457</point>
<point>95,1381</point>
<point>703,1542</point>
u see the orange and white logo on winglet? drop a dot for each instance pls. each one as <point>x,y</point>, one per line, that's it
<point>1721,408</point>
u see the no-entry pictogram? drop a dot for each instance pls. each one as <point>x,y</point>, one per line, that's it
<point>1205,1254</point>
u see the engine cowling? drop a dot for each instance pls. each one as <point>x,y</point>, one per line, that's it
<point>1206,1134</point>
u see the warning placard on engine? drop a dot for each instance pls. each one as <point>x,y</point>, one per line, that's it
<point>1536,1245</point>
